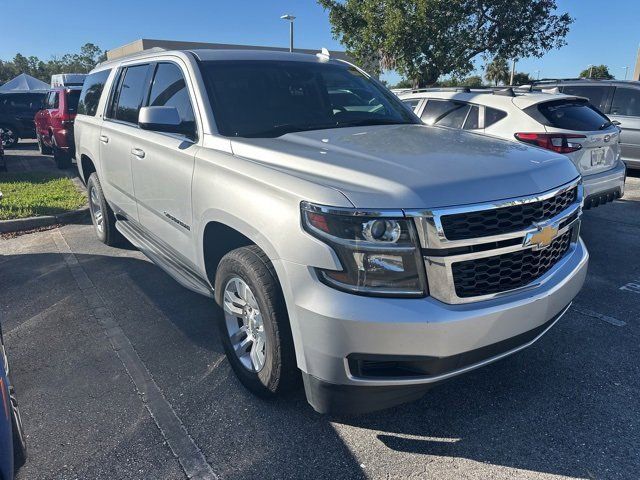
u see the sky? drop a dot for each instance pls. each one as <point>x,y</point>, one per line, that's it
<point>603,32</point>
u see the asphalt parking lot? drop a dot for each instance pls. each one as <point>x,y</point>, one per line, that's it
<point>100,338</point>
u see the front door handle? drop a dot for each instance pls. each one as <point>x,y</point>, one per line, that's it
<point>104,139</point>
<point>138,152</point>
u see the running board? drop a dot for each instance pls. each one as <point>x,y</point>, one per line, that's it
<point>161,256</point>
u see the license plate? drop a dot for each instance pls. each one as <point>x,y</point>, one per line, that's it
<point>597,157</point>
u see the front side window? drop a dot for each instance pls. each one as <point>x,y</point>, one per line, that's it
<point>597,95</point>
<point>272,98</point>
<point>55,100</point>
<point>412,103</point>
<point>626,101</point>
<point>578,115</point>
<point>91,92</point>
<point>128,98</point>
<point>170,90</point>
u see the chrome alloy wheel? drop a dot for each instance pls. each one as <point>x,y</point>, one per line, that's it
<point>96,210</point>
<point>244,324</point>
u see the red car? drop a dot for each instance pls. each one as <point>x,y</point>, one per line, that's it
<point>54,124</point>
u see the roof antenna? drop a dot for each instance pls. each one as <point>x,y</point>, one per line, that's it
<point>324,54</point>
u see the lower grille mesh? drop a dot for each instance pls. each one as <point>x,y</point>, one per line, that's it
<point>484,276</point>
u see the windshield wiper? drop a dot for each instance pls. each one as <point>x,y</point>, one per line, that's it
<point>284,128</point>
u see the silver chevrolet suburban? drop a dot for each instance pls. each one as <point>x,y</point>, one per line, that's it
<point>340,236</point>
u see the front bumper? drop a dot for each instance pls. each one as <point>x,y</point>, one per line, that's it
<point>331,326</point>
<point>604,187</point>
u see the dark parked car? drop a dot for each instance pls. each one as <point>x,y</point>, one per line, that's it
<point>16,115</point>
<point>54,124</point>
<point>618,99</point>
<point>13,449</point>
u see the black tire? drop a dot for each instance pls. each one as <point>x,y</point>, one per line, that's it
<point>44,150</point>
<point>108,235</point>
<point>17,429</point>
<point>280,373</point>
<point>19,438</point>
<point>62,159</point>
<point>9,136</point>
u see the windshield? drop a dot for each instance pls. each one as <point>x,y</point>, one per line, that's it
<point>72,100</point>
<point>272,98</point>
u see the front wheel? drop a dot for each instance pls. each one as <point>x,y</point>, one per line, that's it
<point>19,439</point>
<point>255,332</point>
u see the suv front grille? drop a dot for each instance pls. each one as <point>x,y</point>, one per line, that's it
<point>484,223</point>
<point>508,271</point>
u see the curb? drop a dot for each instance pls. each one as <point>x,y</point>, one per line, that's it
<point>31,223</point>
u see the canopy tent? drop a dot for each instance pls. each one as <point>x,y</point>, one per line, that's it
<point>23,83</point>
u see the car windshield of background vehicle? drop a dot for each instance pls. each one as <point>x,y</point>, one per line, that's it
<point>597,95</point>
<point>272,98</point>
<point>626,101</point>
<point>577,115</point>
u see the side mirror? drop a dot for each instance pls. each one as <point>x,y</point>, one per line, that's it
<point>616,123</point>
<point>163,119</point>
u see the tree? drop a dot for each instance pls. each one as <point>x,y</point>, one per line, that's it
<point>597,71</point>
<point>82,62</point>
<point>474,81</point>
<point>497,71</point>
<point>425,39</point>
<point>521,78</point>
<point>404,83</point>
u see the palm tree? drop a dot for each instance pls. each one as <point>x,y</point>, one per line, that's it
<point>497,71</point>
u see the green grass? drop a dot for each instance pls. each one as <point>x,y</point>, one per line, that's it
<point>33,194</point>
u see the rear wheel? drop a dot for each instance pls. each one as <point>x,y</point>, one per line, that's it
<point>8,135</point>
<point>102,217</point>
<point>44,150</point>
<point>62,159</point>
<point>255,332</point>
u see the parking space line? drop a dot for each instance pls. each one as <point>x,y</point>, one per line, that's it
<point>171,427</point>
<point>606,318</point>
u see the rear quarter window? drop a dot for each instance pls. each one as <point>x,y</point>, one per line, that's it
<point>576,115</point>
<point>91,92</point>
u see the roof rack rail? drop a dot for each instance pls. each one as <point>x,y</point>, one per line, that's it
<point>441,89</point>
<point>133,55</point>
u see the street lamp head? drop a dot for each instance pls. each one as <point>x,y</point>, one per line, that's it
<point>288,17</point>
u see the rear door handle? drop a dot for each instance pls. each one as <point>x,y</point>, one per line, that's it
<point>104,139</point>
<point>138,152</point>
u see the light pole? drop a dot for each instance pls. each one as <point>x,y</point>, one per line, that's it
<point>626,71</point>
<point>290,19</point>
<point>590,67</point>
<point>538,74</point>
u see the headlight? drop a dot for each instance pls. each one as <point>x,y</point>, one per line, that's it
<point>379,254</point>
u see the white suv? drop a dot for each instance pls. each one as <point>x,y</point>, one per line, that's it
<point>341,237</point>
<point>565,124</point>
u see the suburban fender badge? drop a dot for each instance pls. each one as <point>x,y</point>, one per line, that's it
<point>542,238</point>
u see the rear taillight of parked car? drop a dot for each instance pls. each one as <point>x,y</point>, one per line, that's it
<point>557,142</point>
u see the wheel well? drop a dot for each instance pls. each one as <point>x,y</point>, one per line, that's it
<point>87,167</point>
<point>220,239</point>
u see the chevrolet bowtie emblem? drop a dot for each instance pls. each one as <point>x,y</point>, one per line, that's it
<point>542,238</point>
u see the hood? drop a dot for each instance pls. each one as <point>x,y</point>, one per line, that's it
<point>411,166</point>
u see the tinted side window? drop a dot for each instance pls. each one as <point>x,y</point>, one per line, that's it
<point>130,93</point>
<point>55,100</point>
<point>72,100</point>
<point>437,109</point>
<point>597,95</point>
<point>492,115</point>
<point>473,119</point>
<point>170,90</point>
<point>454,118</point>
<point>576,115</point>
<point>91,92</point>
<point>626,101</point>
